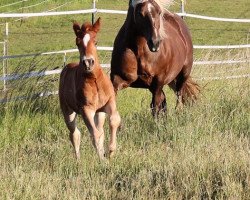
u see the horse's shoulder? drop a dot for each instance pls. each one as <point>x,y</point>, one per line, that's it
<point>172,18</point>
<point>178,24</point>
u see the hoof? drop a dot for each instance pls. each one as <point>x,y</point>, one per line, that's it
<point>111,154</point>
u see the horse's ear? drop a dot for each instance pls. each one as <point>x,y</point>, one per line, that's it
<point>97,25</point>
<point>76,28</point>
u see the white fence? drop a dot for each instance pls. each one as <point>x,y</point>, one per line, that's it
<point>94,10</point>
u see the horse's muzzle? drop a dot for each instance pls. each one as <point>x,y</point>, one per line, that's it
<point>154,46</point>
<point>88,64</point>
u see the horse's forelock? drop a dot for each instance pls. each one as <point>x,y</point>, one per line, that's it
<point>162,3</point>
<point>135,2</point>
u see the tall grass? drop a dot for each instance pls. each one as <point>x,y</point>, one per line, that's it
<point>201,152</point>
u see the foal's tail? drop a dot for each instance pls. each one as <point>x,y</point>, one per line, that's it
<point>190,91</point>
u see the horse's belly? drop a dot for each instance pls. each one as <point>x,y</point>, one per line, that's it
<point>71,100</point>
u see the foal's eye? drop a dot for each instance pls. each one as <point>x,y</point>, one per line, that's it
<point>96,43</point>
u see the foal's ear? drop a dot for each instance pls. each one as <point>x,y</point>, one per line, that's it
<point>76,28</point>
<point>97,25</point>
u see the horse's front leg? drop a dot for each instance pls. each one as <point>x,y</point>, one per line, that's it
<point>96,135</point>
<point>114,123</point>
<point>124,70</point>
<point>99,122</point>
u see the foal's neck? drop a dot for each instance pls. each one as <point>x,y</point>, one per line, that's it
<point>93,75</point>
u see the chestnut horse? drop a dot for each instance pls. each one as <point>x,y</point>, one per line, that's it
<point>154,48</point>
<point>86,90</point>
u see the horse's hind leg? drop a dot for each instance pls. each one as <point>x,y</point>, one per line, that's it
<point>158,103</point>
<point>180,82</point>
<point>75,135</point>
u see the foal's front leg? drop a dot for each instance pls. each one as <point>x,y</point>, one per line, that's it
<point>99,123</point>
<point>96,136</point>
<point>114,123</point>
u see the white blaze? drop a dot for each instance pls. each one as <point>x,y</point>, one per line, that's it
<point>86,39</point>
<point>150,7</point>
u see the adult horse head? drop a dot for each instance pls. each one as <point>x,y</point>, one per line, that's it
<point>148,21</point>
<point>154,48</point>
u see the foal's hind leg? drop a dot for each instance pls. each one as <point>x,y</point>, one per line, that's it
<point>75,135</point>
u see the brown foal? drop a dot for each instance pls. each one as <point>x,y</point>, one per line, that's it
<point>86,90</point>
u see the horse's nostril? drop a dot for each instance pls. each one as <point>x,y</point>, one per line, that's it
<point>91,62</point>
<point>154,45</point>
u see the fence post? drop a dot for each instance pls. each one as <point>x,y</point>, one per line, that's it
<point>4,65</point>
<point>64,59</point>
<point>93,14</point>
<point>182,8</point>
<point>5,53</point>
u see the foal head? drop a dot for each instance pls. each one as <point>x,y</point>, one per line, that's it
<point>86,43</point>
<point>148,18</point>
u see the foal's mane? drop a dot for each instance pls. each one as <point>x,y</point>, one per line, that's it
<point>163,4</point>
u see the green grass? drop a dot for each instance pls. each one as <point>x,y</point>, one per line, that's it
<point>201,152</point>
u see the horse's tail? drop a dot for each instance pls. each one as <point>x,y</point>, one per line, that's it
<point>190,90</point>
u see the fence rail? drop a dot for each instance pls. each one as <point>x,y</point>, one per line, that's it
<point>93,11</point>
<point>105,11</point>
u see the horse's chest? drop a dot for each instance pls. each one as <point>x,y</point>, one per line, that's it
<point>93,96</point>
<point>145,72</point>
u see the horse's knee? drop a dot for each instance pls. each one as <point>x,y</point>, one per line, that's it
<point>115,120</point>
<point>119,83</point>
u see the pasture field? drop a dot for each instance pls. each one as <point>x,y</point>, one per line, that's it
<point>201,152</point>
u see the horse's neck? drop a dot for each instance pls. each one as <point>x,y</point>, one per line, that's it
<point>129,28</point>
<point>90,76</point>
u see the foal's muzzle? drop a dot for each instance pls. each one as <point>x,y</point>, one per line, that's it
<point>88,64</point>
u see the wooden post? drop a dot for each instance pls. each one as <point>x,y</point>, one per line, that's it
<point>64,59</point>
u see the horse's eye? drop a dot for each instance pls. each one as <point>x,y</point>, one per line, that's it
<point>96,43</point>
